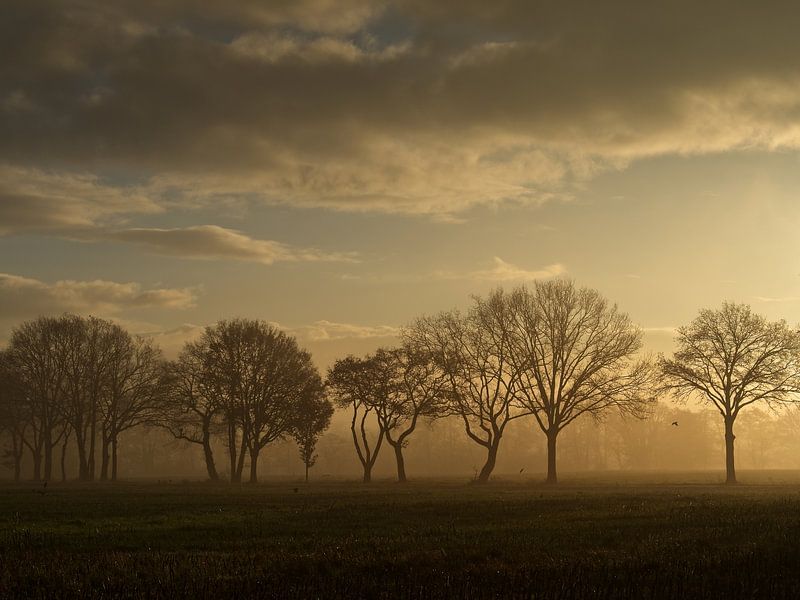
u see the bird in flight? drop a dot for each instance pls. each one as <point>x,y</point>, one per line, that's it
<point>675,423</point>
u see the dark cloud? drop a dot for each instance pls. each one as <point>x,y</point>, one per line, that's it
<point>314,103</point>
<point>24,297</point>
<point>210,242</point>
<point>32,200</point>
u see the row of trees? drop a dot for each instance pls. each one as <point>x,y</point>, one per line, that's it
<point>552,353</point>
<point>556,353</point>
<point>72,378</point>
<point>251,384</point>
<point>87,380</point>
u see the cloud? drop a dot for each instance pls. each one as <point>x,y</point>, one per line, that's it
<point>81,206</point>
<point>35,200</point>
<point>335,16</point>
<point>274,48</point>
<point>211,242</point>
<point>329,331</point>
<point>504,271</point>
<point>316,332</point>
<point>397,106</point>
<point>23,297</point>
<point>666,330</point>
<point>171,341</point>
<point>777,299</point>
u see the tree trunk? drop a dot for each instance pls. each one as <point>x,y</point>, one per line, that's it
<point>114,457</point>
<point>208,454</point>
<point>36,455</point>
<point>17,462</point>
<point>240,463</point>
<point>48,458</point>
<point>18,449</point>
<point>491,460</point>
<point>92,435</point>
<point>306,463</point>
<point>104,456</point>
<point>401,463</point>
<point>64,459</point>
<point>552,477</point>
<point>730,468</point>
<point>232,450</point>
<point>254,466</point>
<point>367,473</point>
<point>83,467</point>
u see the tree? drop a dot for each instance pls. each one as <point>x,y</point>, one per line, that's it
<point>36,352</point>
<point>732,358</point>
<point>190,408</point>
<point>574,354</point>
<point>473,349</point>
<point>223,368</point>
<point>76,374</point>
<point>419,390</point>
<point>136,387</point>
<point>362,384</point>
<point>288,378</point>
<point>313,417</point>
<point>260,376</point>
<point>86,351</point>
<point>15,414</point>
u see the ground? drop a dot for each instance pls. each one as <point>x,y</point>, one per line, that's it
<point>608,536</point>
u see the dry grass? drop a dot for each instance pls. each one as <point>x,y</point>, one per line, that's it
<point>592,537</point>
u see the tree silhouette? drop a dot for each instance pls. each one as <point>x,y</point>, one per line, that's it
<point>260,376</point>
<point>473,349</point>
<point>574,354</point>
<point>190,408</point>
<point>14,414</point>
<point>313,417</point>
<point>136,390</point>
<point>419,390</point>
<point>732,358</point>
<point>363,385</point>
<point>37,355</point>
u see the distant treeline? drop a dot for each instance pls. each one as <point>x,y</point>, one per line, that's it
<point>551,353</point>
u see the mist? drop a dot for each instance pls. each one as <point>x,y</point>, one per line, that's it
<point>399,299</point>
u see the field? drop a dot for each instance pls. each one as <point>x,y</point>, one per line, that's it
<point>625,538</point>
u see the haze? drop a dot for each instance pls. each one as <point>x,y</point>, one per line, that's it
<point>341,168</point>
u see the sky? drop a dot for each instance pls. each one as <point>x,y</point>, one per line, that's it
<point>340,167</point>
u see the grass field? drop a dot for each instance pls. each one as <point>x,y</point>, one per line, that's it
<point>588,537</point>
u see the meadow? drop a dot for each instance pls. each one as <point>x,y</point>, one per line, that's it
<point>650,536</point>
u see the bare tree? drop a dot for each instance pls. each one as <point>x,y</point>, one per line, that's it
<point>190,409</point>
<point>85,350</point>
<point>363,384</point>
<point>136,388</point>
<point>224,368</point>
<point>473,349</point>
<point>420,390</point>
<point>15,414</point>
<point>36,355</point>
<point>76,372</point>
<point>65,437</point>
<point>575,354</point>
<point>285,378</point>
<point>732,358</point>
<point>260,376</point>
<point>313,417</point>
